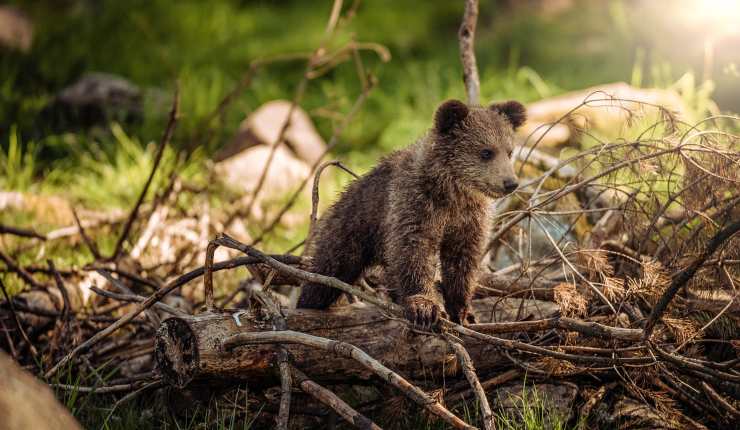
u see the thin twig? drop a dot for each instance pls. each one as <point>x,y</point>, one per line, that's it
<point>20,271</point>
<point>67,307</point>
<point>146,387</point>
<point>727,406</point>
<point>278,323</point>
<point>166,137</point>
<point>332,143</point>
<point>18,324</point>
<point>21,232</point>
<point>333,401</point>
<point>149,302</point>
<point>89,242</point>
<point>686,275</point>
<point>315,191</point>
<point>469,370</point>
<point>133,298</point>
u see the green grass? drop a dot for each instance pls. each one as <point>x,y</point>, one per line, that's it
<point>532,411</point>
<point>17,164</point>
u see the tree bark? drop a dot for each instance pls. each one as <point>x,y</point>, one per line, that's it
<point>190,348</point>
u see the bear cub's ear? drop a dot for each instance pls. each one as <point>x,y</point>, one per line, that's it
<point>449,114</point>
<point>513,110</point>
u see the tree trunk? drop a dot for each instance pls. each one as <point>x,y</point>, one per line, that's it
<point>190,348</point>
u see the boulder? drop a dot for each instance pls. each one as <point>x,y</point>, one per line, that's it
<point>263,127</point>
<point>16,29</point>
<point>607,107</point>
<point>95,99</point>
<point>242,172</point>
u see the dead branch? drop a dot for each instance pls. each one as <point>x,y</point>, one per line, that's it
<point>20,271</point>
<point>89,242</point>
<point>726,405</point>
<point>21,232</point>
<point>331,400</point>
<point>583,327</point>
<point>315,191</point>
<point>351,351</point>
<point>469,370</point>
<point>18,324</point>
<point>466,38</point>
<point>333,141</point>
<point>146,304</point>
<point>686,274</point>
<point>166,137</point>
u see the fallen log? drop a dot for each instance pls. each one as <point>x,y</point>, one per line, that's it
<point>190,348</point>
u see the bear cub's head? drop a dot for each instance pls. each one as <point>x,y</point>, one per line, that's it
<point>476,143</point>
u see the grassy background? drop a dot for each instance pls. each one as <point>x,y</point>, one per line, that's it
<point>208,46</point>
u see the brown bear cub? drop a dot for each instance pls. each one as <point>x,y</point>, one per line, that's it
<point>424,204</point>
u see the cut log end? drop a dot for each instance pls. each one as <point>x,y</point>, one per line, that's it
<point>177,352</point>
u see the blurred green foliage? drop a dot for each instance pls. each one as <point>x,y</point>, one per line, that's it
<point>207,46</point>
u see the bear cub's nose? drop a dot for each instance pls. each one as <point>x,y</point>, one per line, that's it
<point>510,185</point>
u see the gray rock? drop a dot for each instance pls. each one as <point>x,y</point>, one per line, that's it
<point>95,99</point>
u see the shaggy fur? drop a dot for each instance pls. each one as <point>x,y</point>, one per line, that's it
<point>421,205</point>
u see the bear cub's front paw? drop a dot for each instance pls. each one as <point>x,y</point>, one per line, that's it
<point>422,311</point>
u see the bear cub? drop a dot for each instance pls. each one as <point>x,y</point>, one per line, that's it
<point>422,205</point>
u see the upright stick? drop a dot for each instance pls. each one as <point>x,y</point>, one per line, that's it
<point>466,38</point>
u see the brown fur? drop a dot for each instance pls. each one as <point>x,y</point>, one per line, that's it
<point>423,204</point>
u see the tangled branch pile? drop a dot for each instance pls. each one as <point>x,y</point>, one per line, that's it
<point>629,300</point>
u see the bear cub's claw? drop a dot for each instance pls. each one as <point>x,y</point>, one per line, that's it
<point>422,312</point>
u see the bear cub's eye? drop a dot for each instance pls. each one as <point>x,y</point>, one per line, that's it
<point>486,154</point>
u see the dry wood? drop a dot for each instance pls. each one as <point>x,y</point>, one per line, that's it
<point>278,322</point>
<point>587,328</point>
<point>149,302</point>
<point>726,405</point>
<point>169,131</point>
<point>333,401</point>
<point>18,324</point>
<point>491,284</point>
<point>21,232</point>
<point>469,370</point>
<point>315,191</point>
<point>333,141</point>
<point>20,271</point>
<point>88,242</point>
<point>354,353</point>
<point>466,39</point>
<point>313,61</point>
<point>189,348</point>
<point>497,380</point>
<point>686,274</point>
